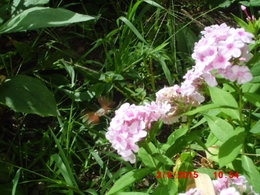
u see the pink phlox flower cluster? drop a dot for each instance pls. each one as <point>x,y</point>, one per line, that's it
<point>180,99</point>
<point>130,125</point>
<point>235,185</point>
<point>227,186</point>
<point>221,50</point>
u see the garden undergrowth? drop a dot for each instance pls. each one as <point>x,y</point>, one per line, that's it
<point>65,67</point>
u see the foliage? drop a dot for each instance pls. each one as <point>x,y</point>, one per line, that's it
<point>65,67</point>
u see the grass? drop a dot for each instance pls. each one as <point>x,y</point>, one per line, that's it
<point>133,50</point>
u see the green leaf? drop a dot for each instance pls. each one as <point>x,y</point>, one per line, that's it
<point>253,98</point>
<point>132,27</point>
<point>173,137</point>
<point>255,63</point>
<point>63,169</point>
<point>226,3</point>
<point>209,172</point>
<point>63,164</point>
<point>42,17</point>
<point>251,3</point>
<point>166,71</point>
<point>29,95</point>
<point>183,164</point>
<point>163,159</point>
<point>205,108</point>
<point>146,158</point>
<point>251,172</point>
<point>251,88</point>
<point>128,179</point>
<point>221,97</point>
<point>219,127</point>
<point>256,128</point>
<point>153,3</point>
<point>15,181</point>
<point>110,76</point>
<point>230,149</point>
<point>28,3</point>
<point>241,22</point>
<point>163,189</point>
<point>131,193</point>
<point>181,143</point>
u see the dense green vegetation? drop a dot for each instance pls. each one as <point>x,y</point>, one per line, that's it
<point>62,61</point>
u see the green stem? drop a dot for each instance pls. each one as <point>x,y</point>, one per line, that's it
<point>240,106</point>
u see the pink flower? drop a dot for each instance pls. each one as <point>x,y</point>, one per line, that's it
<point>241,34</point>
<point>229,191</point>
<point>232,47</point>
<point>192,191</point>
<point>242,74</point>
<point>221,183</point>
<point>179,99</point>
<point>130,125</point>
<point>243,8</point>
<point>210,79</point>
<point>216,52</point>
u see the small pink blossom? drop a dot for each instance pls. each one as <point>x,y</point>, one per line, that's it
<point>242,74</point>
<point>243,8</point>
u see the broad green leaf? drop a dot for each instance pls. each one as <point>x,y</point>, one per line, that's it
<point>219,127</point>
<point>253,98</point>
<point>35,2</point>
<point>230,149</point>
<point>205,108</point>
<point>173,137</point>
<point>132,27</point>
<point>251,88</point>
<point>128,179</point>
<point>163,159</point>
<point>42,17</point>
<point>181,143</point>
<point>29,95</point>
<point>209,172</point>
<point>146,158</point>
<point>221,97</point>
<point>211,140</point>
<point>256,128</point>
<point>251,3</point>
<point>251,172</point>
